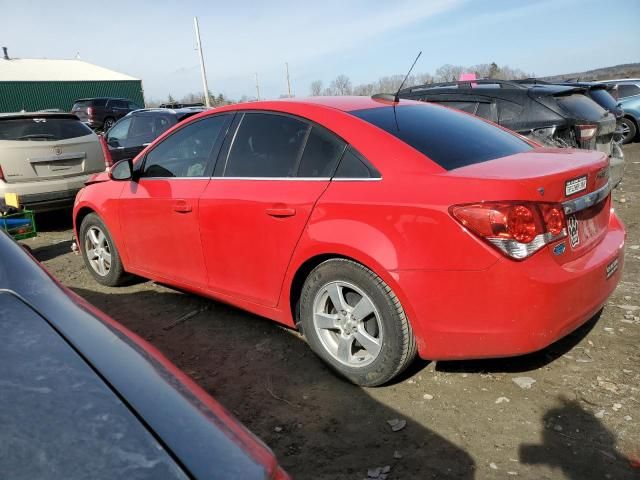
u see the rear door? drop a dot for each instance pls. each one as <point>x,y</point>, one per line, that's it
<point>46,147</point>
<point>255,208</point>
<point>159,212</point>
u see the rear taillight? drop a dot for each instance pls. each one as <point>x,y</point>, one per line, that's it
<point>517,229</point>
<point>89,111</point>
<point>1,174</point>
<point>586,132</point>
<point>108,161</point>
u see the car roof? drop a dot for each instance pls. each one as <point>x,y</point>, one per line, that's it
<point>344,103</point>
<point>100,98</point>
<point>12,115</point>
<point>170,111</point>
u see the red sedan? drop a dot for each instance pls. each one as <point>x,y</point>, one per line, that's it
<point>379,229</point>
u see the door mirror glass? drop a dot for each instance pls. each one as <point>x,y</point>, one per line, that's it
<point>123,170</point>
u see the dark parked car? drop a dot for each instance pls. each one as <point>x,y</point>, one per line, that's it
<point>553,115</point>
<point>131,134</point>
<point>102,113</point>
<point>180,105</point>
<point>83,397</point>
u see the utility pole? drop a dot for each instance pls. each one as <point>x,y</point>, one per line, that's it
<point>286,64</point>
<point>207,101</point>
<point>257,86</point>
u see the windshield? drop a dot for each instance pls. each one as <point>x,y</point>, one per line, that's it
<point>42,129</point>
<point>451,139</point>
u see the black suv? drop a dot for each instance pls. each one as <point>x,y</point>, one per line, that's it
<point>102,113</point>
<point>131,134</point>
<point>553,115</point>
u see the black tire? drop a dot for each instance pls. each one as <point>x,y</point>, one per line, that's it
<point>115,275</point>
<point>397,345</point>
<point>108,123</point>
<point>631,130</point>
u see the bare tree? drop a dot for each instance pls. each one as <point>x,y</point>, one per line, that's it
<point>316,88</point>
<point>366,89</point>
<point>341,85</point>
<point>449,73</point>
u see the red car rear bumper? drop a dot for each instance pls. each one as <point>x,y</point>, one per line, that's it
<point>512,308</point>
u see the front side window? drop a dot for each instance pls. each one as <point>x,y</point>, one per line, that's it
<point>187,152</point>
<point>266,145</point>
<point>449,138</point>
<point>627,90</point>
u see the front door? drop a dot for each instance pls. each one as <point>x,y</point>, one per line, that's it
<point>254,210</point>
<point>159,213</point>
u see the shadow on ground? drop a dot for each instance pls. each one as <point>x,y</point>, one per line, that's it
<point>578,444</point>
<point>54,221</point>
<point>319,426</point>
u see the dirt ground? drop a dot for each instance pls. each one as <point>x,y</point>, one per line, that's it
<point>464,420</point>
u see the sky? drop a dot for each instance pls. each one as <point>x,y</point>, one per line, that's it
<point>363,39</point>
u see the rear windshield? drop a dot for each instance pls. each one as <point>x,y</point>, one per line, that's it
<point>100,102</point>
<point>604,98</point>
<point>42,129</point>
<point>581,106</point>
<point>449,138</point>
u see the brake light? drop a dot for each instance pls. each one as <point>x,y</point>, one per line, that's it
<point>586,132</point>
<point>1,174</point>
<point>108,161</point>
<point>90,111</point>
<point>517,229</point>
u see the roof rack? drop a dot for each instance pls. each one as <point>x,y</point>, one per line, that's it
<point>465,84</point>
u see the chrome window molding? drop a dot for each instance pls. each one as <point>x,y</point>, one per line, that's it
<point>586,201</point>
<point>294,179</point>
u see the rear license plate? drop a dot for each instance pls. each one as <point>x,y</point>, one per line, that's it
<point>612,267</point>
<point>576,185</point>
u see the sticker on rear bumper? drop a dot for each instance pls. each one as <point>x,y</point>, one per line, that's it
<point>572,228</point>
<point>559,249</point>
<point>612,267</point>
<point>576,185</point>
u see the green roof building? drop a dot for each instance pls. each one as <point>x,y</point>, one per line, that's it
<point>37,84</point>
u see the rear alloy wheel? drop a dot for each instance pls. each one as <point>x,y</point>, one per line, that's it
<point>628,130</point>
<point>354,322</point>
<point>108,123</point>
<point>99,253</point>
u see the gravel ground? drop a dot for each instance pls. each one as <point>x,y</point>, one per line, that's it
<point>571,411</point>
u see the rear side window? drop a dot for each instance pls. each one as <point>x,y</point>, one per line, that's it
<point>321,153</point>
<point>42,129</point>
<point>449,138</point>
<point>627,90</point>
<point>352,166</point>
<point>581,106</point>
<point>266,145</point>
<point>603,98</point>
<point>101,102</point>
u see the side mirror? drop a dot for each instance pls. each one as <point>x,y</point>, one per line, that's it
<point>122,170</point>
<point>112,142</point>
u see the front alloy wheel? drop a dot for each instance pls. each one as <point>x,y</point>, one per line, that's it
<point>98,251</point>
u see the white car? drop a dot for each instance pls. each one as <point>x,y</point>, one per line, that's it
<point>46,157</point>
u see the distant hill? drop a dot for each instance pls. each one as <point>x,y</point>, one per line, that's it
<point>626,70</point>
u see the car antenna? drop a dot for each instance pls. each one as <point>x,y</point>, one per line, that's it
<point>396,97</point>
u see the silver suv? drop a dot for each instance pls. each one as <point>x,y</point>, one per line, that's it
<point>46,157</point>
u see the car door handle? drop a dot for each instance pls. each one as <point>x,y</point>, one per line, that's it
<point>181,206</point>
<point>280,212</point>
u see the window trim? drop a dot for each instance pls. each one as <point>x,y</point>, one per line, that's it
<point>213,155</point>
<point>233,131</point>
